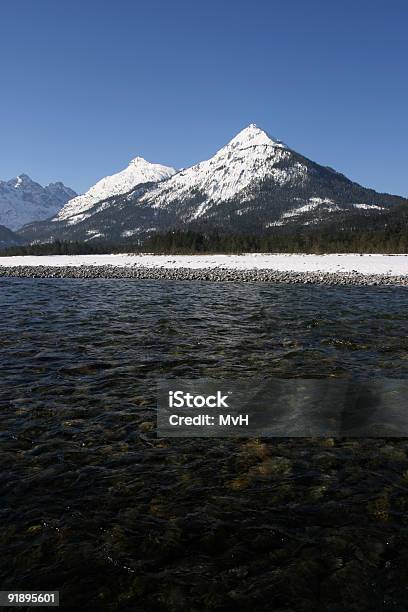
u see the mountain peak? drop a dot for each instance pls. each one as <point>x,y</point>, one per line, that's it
<point>254,136</point>
<point>149,169</point>
<point>139,161</point>
<point>56,184</point>
<point>21,180</point>
<point>249,158</point>
<point>138,172</point>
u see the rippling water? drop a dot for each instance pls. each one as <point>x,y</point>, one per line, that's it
<point>93,504</point>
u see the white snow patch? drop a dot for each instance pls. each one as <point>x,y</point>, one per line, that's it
<point>321,201</point>
<point>244,210</point>
<point>94,235</point>
<point>314,203</point>
<point>130,232</point>
<point>326,204</point>
<point>274,224</point>
<point>364,206</point>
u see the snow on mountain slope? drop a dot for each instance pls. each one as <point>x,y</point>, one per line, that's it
<point>139,171</point>
<point>249,157</point>
<point>22,201</point>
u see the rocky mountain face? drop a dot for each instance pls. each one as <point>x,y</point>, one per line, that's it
<point>8,238</point>
<point>253,183</point>
<point>22,201</point>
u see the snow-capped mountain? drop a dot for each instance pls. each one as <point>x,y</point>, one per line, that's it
<point>258,178</point>
<point>253,183</point>
<point>22,200</point>
<point>249,157</point>
<point>138,172</point>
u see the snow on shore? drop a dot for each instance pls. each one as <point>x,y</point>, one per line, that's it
<point>393,265</point>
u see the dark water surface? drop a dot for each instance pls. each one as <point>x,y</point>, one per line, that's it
<point>94,505</point>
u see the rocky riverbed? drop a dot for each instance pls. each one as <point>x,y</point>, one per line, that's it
<point>205,274</point>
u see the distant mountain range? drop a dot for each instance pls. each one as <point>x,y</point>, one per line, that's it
<point>255,183</point>
<point>22,201</point>
<point>8,238</point>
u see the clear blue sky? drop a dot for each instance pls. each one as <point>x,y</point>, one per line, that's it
<point>87,85</point>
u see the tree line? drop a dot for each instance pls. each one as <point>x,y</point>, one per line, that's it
<point>324,240</point>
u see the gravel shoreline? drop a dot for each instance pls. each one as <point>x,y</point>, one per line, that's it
<point>205,274</point>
